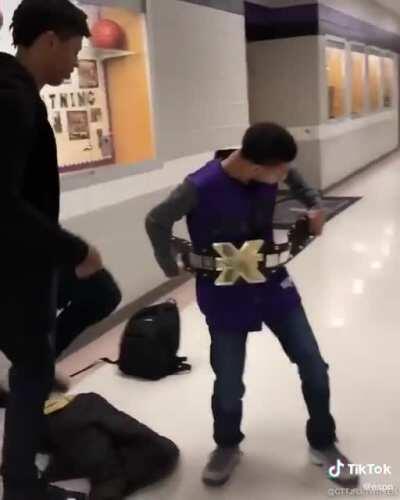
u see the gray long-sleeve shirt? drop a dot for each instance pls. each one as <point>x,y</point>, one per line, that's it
<point>183,199</point>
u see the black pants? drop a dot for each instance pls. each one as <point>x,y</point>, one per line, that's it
<point>228,354</point>
<point>83,303</point>
<point>39,337</point>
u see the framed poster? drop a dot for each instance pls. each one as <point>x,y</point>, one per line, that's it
<point>88,74</point>
<point>57,123</point>
<point>95,115</point>
<point>78,125</point>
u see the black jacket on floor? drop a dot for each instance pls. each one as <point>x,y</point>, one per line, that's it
<point>33,244</point>
<point>91,439</point>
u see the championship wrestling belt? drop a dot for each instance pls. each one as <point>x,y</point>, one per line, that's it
<point>252,263</point>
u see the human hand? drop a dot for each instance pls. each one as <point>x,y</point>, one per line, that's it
<point>317,219</point>
<point>91,265</point>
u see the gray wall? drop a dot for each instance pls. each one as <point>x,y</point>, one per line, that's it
<point>284,86</point>
<point>235,6</point>
<point>309,162</point>
<point>283,81</point>
<point>199,87</point>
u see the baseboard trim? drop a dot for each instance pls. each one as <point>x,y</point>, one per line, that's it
<point>372,164</point>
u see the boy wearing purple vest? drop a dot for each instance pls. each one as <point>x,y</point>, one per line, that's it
<point>231,202</point>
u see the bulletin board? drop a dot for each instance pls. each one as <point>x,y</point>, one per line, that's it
<point>102,114</point>
<point>79,114</point>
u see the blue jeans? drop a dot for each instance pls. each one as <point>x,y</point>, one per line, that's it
<point>228,354</point>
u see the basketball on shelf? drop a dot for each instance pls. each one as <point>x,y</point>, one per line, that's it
<point>107,34</point>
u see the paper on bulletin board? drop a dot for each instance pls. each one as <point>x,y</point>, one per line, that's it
<point>79,114</point>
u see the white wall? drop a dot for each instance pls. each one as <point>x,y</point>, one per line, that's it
<point>344,154</point>
<point>7,9</point>
<point>198,68</point>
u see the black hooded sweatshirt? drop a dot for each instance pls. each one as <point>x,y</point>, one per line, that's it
<point>33,242</point>
<point>33,246</point>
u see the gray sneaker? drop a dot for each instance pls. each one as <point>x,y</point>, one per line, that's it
<point>220,466</point>
<point>336,466</point>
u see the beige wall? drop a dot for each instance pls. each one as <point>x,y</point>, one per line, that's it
<point>283,81</point>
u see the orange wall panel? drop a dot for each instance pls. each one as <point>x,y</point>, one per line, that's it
<point>128,90</point>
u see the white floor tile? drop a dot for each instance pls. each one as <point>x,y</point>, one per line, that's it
<point>349,280</point>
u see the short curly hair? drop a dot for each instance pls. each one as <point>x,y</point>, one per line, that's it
<point>32,18</point>
<point>268,144</point>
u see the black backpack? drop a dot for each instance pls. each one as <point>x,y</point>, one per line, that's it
<point>150,343</point>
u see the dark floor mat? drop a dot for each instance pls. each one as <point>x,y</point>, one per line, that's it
<point>287,209</point>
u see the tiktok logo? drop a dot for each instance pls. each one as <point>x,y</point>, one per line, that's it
<point>359,469</point>
<point>334,471</point>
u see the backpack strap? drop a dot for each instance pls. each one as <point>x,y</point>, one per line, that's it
<point>105,360</point>
<point>181,366</point>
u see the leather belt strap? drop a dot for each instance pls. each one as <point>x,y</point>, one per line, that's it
<point>274,256</point>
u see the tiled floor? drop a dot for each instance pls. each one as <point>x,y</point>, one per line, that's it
<point>349,280</point>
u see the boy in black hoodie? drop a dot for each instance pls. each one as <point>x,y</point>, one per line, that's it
<point>48,35</point>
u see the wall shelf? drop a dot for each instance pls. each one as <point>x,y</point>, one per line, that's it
<point>103,54</point>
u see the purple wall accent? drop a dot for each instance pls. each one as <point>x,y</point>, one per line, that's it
<point>266,23</point>
<point>337,23</point>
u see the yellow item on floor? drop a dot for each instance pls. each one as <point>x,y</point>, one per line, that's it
<point>57,404</point>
